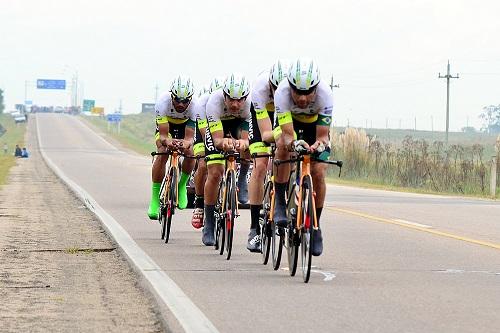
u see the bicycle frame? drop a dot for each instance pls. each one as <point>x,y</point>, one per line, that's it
<point>230,166</point>
<point>304,166</point>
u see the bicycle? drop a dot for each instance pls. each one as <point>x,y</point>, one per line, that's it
<point>226,207</point>
<point>168,190</point>
<point>301,214</point>
<point>271,237</point>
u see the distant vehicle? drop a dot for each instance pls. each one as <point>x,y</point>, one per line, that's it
<point>20,119</point>
<point>58,109</point>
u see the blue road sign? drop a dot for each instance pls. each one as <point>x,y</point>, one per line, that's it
<point>50,84</point>
<point>114,117</point>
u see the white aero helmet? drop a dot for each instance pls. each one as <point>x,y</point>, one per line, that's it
<point>182,87</point>
<point>278,72</point>
<point>236,86</point>
<point>216,83</point>
<point>303,74</point>
<point>203,91</point>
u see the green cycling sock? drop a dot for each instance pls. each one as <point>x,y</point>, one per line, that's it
<point>183,200</point>
<point>154,204</point>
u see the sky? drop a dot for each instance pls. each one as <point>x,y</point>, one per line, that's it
<point>385,54</point>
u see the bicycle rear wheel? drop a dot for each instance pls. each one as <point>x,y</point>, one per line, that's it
<point>219,220</point>
<point>265,225</point>
<point>162,214</point>
<point>306,235</point>
<point>172,194</point>
<point>277,241</point>
<point>230,211</point>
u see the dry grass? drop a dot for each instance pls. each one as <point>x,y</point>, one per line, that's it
<point>414,163</point>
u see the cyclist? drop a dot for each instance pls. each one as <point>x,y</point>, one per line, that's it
<point>174,129</point>
<point>228,115</point>
<point>199,150</point>
<point>303,104</point>
<point>260,135</point>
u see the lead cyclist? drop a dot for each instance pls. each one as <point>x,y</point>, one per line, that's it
<point>303,104</point>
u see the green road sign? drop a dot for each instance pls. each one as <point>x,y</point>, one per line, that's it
<point>88,104</point>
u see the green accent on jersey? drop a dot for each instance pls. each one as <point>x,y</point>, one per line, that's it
<point>210,160</point>
<point>324,120</point>
<point>215,126</point>
<point>261,114</point>
<point>191,123</point>
<point>259,148</point>
<point>161,120</point>
<point>199,149</point>
<point>285,118</point>
<point>202,123</point>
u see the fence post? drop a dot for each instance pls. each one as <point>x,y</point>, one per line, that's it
<point>493,183</point>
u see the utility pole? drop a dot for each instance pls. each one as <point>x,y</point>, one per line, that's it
<point>25,91</point>
<point>432,123</point>
<point>399,123</point>
<point>386,123</point>
<point>415,124</point>
<point>448,76</point>
<point>156,93</point>
<point>333,85</point>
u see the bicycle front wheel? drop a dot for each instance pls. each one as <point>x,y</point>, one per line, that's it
<point>172,194</point>
<point>265,225</point>
<point>230,212</point>
<point>306,235</point>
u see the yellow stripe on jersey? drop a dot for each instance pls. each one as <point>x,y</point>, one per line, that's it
<point>305,118</point>
<point>176,120</point>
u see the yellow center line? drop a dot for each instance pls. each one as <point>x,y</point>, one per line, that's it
<point>431,231</point>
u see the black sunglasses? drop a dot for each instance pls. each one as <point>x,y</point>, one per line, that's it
<point>181,100</point>
<point>304,92</point>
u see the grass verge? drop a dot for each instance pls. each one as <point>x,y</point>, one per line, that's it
<point>14,134</point>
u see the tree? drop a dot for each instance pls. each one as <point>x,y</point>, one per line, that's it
<point>2,107</point>
<point>491,119</point>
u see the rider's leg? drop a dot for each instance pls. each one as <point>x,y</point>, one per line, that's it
<point>215,173</point>
<point>187,167</point>
<point>281,182</point>
<point>242,182</point>
<point>157,174</point>
<point>318,172</point>
<point>199,185</point>
<point>256,190</point>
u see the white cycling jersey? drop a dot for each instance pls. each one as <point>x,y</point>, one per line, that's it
<point>321,105</point>
<point>165,110</point>
<point>261,95</point>
<point>200,107</point>
<point>216,109</point>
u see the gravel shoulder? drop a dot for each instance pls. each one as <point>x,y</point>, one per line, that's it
<point>59,271</point>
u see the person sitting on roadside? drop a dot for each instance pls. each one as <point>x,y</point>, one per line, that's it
<point>18,152</point>
<point>24,153</point>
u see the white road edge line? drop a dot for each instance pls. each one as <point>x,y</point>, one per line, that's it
<point>413,223</point>
<point>191,318</point>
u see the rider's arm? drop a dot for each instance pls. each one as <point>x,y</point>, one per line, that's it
<point>286,123</point>
<point>163,129</point>
<point>265,127</point>
<point>189,134</point>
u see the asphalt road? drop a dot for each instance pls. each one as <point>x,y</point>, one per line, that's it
<point>392,262</point>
